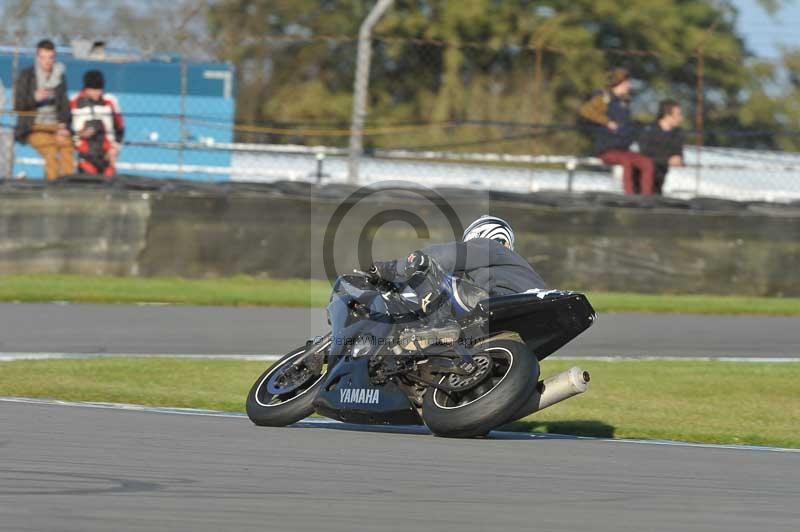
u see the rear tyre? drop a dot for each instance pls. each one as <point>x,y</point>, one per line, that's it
<point>478,410</point>
<point>283,395</point>
<point>530,405</point>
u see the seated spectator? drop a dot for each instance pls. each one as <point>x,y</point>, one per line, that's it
<point>40,95</point>
<point>662,141</point>
<point>613,132</point>
<point>98,125</point>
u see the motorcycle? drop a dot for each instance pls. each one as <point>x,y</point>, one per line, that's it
<point>432,349</point>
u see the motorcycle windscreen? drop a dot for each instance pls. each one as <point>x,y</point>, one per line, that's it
<point>544,321</point>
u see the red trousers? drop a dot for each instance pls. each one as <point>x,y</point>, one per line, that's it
<point>630,161</point>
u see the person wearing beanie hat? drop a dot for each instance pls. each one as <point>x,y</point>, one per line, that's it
<point>93,79</point>
<point>99,126</point>
<point>613,131</point>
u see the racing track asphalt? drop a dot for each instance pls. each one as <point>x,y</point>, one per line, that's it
<point>224,330</point>
<point>81,469</point>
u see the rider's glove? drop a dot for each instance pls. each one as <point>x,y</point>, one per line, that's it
<point>393,271</point>
<point>383,271</point>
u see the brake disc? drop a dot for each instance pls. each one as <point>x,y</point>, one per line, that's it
<point>483,368</point>
<point>288,379</point>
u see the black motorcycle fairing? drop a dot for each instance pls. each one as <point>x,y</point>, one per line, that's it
<point>361,313</point>
<point>355,307</point>
<point>346,327</point>
<point>545,320</point>
<point>349,395</point>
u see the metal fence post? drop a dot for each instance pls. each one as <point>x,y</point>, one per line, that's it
<point>183,132</point>
<point>183,36</point>
<point>698,119</point>
<point>21,14</point>
<point>360,87</point>
<point>699,105</point>
<point>9,150</point>
<point>571,165</point>
<point>320,161</point>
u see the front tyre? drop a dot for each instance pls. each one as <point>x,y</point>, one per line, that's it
<point>284,394</point>
<point>479,409</point>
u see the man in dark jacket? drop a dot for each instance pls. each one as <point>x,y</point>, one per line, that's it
<point>486,257</point>
<point>613,131</point>
<point>40,97</point>
<point>662,141</point>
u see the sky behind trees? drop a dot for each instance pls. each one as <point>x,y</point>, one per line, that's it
<point>765,33</point>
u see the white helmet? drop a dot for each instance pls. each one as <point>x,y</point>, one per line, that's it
<point>490,227</point>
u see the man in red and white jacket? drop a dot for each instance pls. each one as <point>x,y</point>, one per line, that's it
<point>98,125</point>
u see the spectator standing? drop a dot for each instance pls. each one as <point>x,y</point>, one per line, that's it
<point>98,125</point>
<point>41,97</point>
<point>613,132</point>
<point>662,141</point>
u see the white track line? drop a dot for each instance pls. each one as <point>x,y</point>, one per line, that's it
<point>123,406</point>
<point>648,358</point>
<point>10,357</point>
<point>383,428</point>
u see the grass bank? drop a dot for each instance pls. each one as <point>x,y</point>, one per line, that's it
<point>253,291</point>
<point>710,402</point>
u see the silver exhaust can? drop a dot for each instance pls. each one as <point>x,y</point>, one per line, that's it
<point>553,390</point>
<point>559,387</point>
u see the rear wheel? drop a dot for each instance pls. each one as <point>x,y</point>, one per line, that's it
<point>486,400</point>
<point>530,405</point>
<point>285,393</point>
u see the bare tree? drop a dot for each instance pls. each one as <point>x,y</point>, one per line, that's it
<point>149,26</point>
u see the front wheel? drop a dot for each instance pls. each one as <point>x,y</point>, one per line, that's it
<point>480,408</point>
<point>284,394</point>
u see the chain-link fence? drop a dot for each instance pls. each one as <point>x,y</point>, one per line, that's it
<point>477,113</point>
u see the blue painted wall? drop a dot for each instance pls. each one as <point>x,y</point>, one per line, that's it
<point>149,94</point>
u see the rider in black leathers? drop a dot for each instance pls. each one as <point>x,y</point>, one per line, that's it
<point>486,257</point>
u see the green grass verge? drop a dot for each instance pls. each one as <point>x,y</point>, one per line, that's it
<point>228,291</point>
<point>697,401</point>
<point>252,291</point>
<point>711,402</point>
<point>694,304</point>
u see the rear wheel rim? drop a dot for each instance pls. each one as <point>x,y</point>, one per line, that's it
<point>483,366</point>
<point>503,361</point>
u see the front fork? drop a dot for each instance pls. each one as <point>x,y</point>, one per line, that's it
<point>310,358</point>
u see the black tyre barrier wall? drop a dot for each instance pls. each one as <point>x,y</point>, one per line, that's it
<point>137,226</point>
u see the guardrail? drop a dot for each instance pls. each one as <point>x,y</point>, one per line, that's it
<point>733,174</point>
